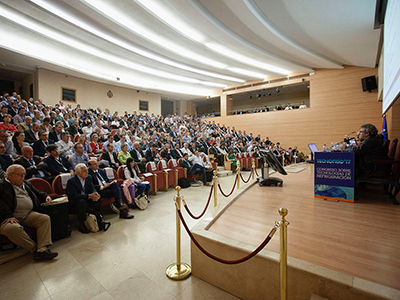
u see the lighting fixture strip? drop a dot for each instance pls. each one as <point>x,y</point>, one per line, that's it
<point>77,22</point>
<point>124,21</point>
<point>185,29</point>
<point>38,51</point>
<point>255,10</point>
<point>52,34</point>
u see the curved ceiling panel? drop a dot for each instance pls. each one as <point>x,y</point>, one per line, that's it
<point>196,46</point>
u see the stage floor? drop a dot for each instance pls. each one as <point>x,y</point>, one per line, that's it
<point>361,239</point>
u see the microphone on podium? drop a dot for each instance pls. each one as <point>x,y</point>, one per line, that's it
<point>350,133</point>
<point>349,140</point>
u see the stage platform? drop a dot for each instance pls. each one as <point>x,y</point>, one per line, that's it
<point>336,250</point>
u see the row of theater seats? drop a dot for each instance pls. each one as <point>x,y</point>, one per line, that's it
<point>161,176</point>
<point>246,159</point>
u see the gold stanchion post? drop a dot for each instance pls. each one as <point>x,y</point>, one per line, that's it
<point>253,166</point>
<point>283,160</point>
<point>215,188</point>
<point>238,173</point>
<point>283,264</point>
<point>178,270</point>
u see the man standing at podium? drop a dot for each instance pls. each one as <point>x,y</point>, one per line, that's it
<point>369,149</point>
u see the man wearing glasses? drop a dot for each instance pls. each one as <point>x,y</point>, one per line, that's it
<point>7,143</point>
<point>369,149</point>
<point>19,205</point>
<point>39,147</point>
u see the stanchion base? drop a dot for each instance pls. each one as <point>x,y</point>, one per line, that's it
<point>173,273</point>
<point>270,181</point>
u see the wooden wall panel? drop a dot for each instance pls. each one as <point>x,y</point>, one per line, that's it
<point>338,106</point>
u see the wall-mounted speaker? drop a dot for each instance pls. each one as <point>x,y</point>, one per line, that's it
<point>369,83</point>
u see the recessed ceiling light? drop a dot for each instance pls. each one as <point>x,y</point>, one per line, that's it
<point>121,43</point>
<point>119,17</point>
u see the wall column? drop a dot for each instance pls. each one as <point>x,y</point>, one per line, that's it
<point>224,105</point>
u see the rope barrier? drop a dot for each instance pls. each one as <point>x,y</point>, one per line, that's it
<point>255,169</point>
<point>224,261</point>
<point>205,209</point>
<point>247,179</point>
<point>233,188</point>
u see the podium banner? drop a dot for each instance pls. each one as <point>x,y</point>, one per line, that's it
<point>334,176</point>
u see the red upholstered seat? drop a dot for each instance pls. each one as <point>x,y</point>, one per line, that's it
<point>42,185</point>
<point>150,177</point>
<point>147,177</point>
<point>173,164</point>
<point>172,174</point>
<point>191,177</point>
<point>162,179</point>
<point>58,186</point>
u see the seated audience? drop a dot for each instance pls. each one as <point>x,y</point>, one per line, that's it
<point>34,166</point>
<point>32,135</point>
<point>65,145</point>
<point>57,164</point>
<point>176,152</point>
<point>55,135</point>
<point>46,126</point>
<point>81,192</point>
<point>79,157</point>
<point>107,189</point>
<point>143,187</point>
<point>74,129</point>
<point>219,156</point>
<point>18,140</point>
<point>6,125</point>
<point>123,155</point>
<point>20,117</point>
<point>152,154</point>
<point>5,159</point>
<point>19,206</point>
<point>39,147</point>
<point>166,153</point>
<point>111,157</point>
<point>97,147</point>
<point>194,165</point>
<point>139,157</point>
<point>232,158</point>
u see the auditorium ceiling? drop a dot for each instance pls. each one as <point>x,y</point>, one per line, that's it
<point>185,49</point>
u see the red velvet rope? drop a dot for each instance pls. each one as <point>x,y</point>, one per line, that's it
<point>224,261</point>
<point>255,169</point>
<point>205,209</point>
<point>246,181</point>
<point>233,188</point>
